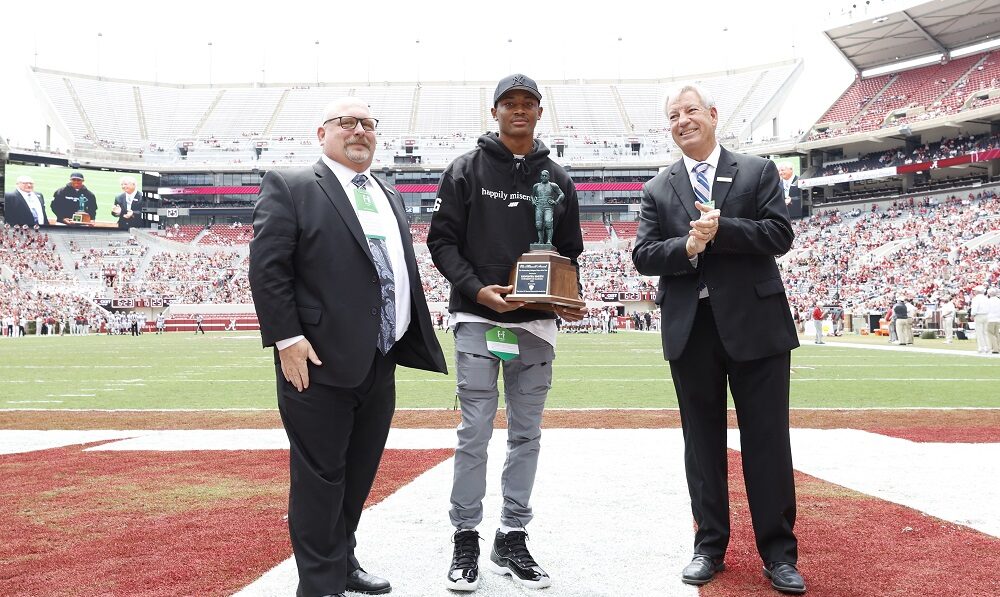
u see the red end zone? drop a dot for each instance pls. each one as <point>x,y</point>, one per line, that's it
<point>851,544</point>
<point>154,523</point>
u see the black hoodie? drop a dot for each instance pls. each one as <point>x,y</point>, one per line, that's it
<point>484,220</point>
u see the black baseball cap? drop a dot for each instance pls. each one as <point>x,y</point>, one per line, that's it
<point>76,175</point>
<point>513,83</point>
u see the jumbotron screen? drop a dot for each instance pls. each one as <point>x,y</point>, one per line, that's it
<point>66,201</point>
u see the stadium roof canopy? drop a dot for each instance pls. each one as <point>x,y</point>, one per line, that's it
<point>931,28</point>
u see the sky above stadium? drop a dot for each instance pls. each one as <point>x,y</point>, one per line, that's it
<point>294,41</point>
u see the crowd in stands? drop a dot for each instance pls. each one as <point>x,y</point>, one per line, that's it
<point>34,286</point>
<point>28,255</point>
<point>918,94</point>
<point>923,250</point>
<point>119,258</point>
<point>193,278</point>
<point>915,249</point>
<point>946,148</point>
<point>228,236</point>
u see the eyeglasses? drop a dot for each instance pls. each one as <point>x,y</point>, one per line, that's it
<point>349,123</point>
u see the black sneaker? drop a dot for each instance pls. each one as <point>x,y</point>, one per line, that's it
<point>510,556</point>
<point>464,572</point>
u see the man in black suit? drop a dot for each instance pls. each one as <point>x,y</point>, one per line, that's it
<point>128,205</point>
<point>791,190</point>
<point>710,226</point>
<point>25,207</point>
<point>337,292</point>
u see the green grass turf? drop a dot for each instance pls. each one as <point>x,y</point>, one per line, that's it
<point>625,370</point>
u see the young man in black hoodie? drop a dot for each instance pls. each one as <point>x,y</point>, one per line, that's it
<point>72,198</point>
<point>483,221</point>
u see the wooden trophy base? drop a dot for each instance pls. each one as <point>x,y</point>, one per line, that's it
<point>544,279</point>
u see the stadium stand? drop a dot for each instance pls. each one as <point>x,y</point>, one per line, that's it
<point>182,234</point>
<point>920,234</point>
<point>227,236</point>
<point>946,148</point>
<point>226,123</point>
<point>594,231</point>
<point>914,95</point>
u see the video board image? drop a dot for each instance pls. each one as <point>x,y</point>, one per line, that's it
<point>60,196</point>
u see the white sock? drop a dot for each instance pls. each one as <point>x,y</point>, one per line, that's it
<point>506,529</point>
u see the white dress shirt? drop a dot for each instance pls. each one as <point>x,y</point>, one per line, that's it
<point>388,227</point>
<point>34,205</point>
<point>713,164</point>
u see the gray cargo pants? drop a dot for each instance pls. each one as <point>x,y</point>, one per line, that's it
<point>527,380</point>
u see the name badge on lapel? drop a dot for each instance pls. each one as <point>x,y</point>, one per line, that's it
<point>367,212</point>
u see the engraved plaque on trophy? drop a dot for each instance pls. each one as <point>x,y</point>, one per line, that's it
<point>544,279</point>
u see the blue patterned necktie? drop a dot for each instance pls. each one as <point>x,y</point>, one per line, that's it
<point>704,195</point>
<point>380,255</point>
<point>701,183</point>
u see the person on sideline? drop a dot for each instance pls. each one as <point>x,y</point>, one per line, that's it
<point>710,227</point>
<point>337,292</point>
<point>484,219</point>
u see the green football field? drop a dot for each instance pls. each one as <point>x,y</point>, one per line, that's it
<point>625,370</point>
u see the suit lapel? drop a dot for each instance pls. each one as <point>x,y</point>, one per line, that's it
<point>331,186</point>
<point>681,183</point>
<point>727,169</point>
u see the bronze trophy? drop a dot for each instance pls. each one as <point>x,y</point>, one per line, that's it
<point>542,278</point>
<point>81,216</point>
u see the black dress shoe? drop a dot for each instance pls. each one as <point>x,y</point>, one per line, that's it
<point>360,581</point>
<point>701,569</point>
<point>785,578</point>
<point>299,593</point>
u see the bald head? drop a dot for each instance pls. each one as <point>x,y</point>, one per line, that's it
<point>26,184</point>
<point>353,147</point>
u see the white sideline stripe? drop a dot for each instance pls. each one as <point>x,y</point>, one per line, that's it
<point>16,441</point>
<point>965,353</point>
<point>572,521</point>
<point>260,439</point>
<point>956,482</point>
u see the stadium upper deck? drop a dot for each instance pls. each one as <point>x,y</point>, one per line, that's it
<point>225,125</point>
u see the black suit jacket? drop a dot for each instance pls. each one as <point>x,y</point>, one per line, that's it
<point>747,293</point>
<point>311,273</point>
<point>16,211</point>
<point>122,203</point>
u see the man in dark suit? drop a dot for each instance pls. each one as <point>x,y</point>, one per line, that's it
<point>791,190</point>
<point>710,226</point>
<point>25,207</point>
<point>337,292</point>
<point>128,205</point>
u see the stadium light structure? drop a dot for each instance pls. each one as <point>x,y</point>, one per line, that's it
<point>317,62</point>
<point>898,66</point>
<point>619,46</point>
<point>989,44</point>
<point>99,38</point>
